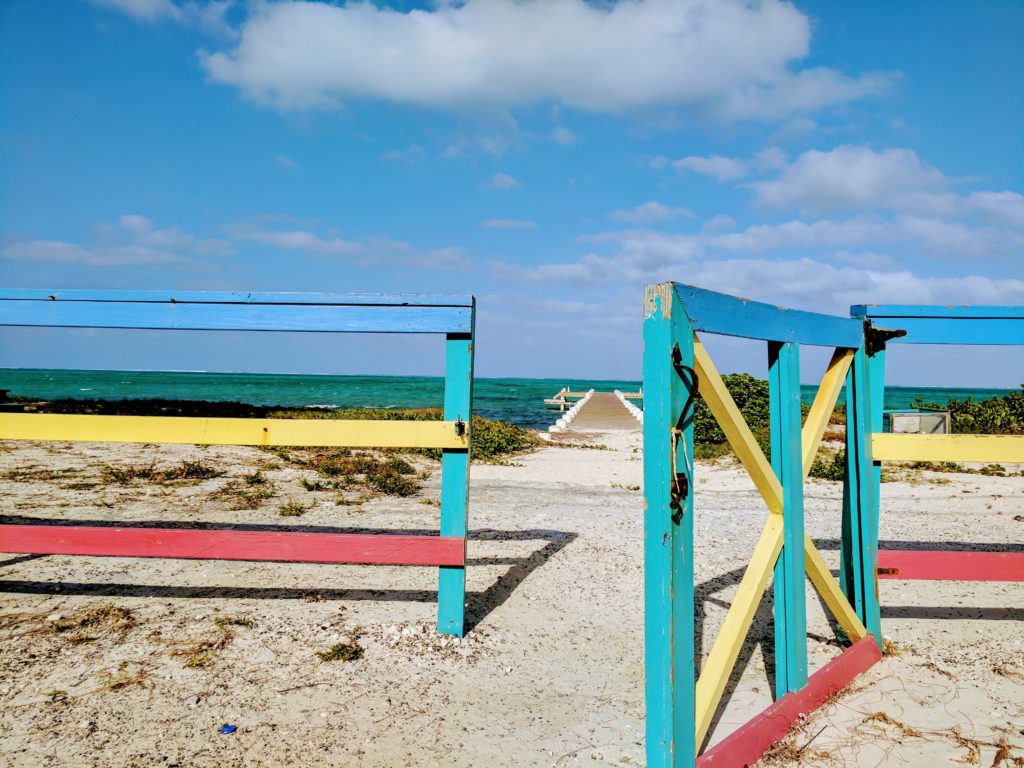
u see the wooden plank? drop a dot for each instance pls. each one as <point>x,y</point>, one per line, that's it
<point>731,316</point>
<point>1002,331</point>
<point>979,448</point>
<point>824,405</point>
<point>931,324</point>
<point>668,540</point>
<point>959,312</point>
<point>729,418</point>
<point>241,297</point>
<point>745,745</point>
<point>203,544</point>
<point>458,405</point>
<point>216,431</point>
<point>726,650</point>
<point>790,595</point>
<point>871,402</point>
<point>950,566</point>
<point>236,317</point>
<point>828,588</point>
<point>859,545</point>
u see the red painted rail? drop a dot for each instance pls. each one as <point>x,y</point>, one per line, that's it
<point>745,745</point>
<point>950,566</point>
<point>201,544</point>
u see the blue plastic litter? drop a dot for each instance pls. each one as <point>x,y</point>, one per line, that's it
<point>227,728</point>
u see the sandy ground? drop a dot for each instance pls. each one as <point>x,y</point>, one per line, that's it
<point>551,672</point>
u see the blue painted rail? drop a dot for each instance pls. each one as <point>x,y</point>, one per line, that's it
<point>451,316</point>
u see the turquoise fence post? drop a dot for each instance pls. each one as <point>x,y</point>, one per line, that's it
<point>668,539</point>
<point>872,402</point>
<point>787,462</point>
<point>458,406</point>
<point>851,561</point>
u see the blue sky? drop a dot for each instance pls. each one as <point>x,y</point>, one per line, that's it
<point>549,156</point>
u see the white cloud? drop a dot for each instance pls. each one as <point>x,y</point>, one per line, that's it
<point>503,181</point>
<point>805,283</point>
<point>716,166</point>
<point>849,177</point>
<point>286,162</point>
<point>649,212</point>
<point>387,251</point>
<point>719,223</point>
<point>771,159</point>
<point>135,240</point>
<point>509,224</point>
<point>728,57</point>
<point>1005,207</point>
<point>562,135</point>
<point>409,154</point>
<point>296,240</point>
<point>210,17</point>
<point>807,91</point>
<point>144,10</point>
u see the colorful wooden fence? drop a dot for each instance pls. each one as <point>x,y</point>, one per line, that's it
<point>917,324</point>
<point>450,316</point>
<point>681,705</point>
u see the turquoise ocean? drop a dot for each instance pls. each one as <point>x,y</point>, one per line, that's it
<point>520,401</point>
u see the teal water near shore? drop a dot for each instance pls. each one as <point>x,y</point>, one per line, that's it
<point>520,401</point>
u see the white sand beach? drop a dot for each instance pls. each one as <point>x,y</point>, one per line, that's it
<point>551,670</point>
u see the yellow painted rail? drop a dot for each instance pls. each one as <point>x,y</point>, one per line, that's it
<point>986,448</point>
<point>202,431</point>
<point>727,646</point>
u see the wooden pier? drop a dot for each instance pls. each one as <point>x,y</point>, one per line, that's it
<point>600,412</point>
<point>566,397</point>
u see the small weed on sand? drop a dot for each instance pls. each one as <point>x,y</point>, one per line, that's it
<point>348,651</point>
<point>124,677</point>
<point>203,653</point>
<point>248,493</point>
<point>88,624</point>
<point>884,719</point>
<point>292,509</point>
<point>56,696</point>
<point>186,471</point>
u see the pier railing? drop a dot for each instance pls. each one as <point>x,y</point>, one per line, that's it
<point>452,317</point>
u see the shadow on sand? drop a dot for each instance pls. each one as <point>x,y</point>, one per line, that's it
<point>478,604</point>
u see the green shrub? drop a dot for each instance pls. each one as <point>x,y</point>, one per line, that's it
<point>829,465</point>
<point>390,481</point>
<point>1002,415</point>
<point>751,396</point>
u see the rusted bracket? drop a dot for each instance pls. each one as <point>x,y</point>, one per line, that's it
<point>875,338</point>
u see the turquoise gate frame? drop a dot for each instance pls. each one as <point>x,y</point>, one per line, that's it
<point>450,316</point>
<point>943,325</point>
<point>676,369</point>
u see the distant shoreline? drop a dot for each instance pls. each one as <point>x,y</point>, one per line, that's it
<point>516,400</point>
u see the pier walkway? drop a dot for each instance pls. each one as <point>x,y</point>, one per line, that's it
<point>603,412</point>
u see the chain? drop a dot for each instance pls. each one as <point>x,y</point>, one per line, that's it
<point>680,486</point>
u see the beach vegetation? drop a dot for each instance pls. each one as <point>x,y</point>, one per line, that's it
<point>292,509</point>
<point>350,650</point>
<point>124,677</point>
<point>246,493</point>
<point>1000,415</point>
<point>87,624</point>
<point>313,485</point>
<point>186,471</point>
<point>204,652</point>
<point>829,465</point>
<point>35,473</point>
